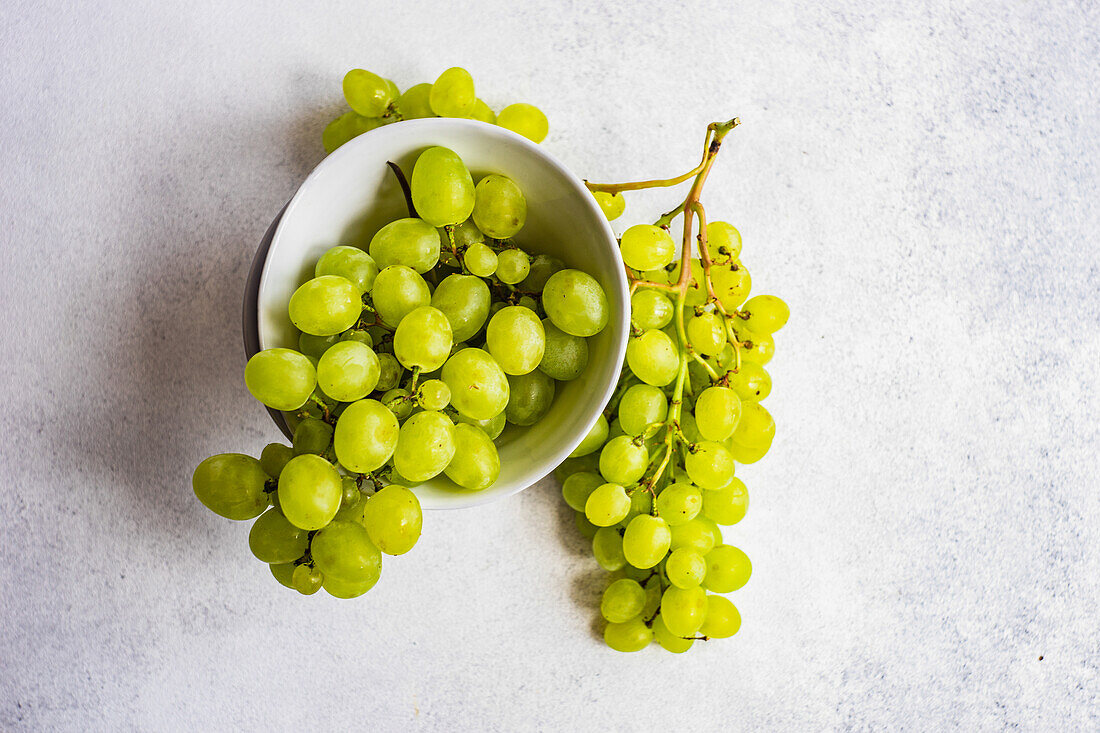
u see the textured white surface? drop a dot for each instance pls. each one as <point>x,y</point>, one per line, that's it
<point>918,180</point>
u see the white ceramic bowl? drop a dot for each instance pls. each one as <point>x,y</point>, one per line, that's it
<point>352,194</point>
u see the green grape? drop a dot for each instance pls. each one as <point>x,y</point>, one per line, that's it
<point>723,242</point>
<point>530,304</point>
<point>326,305</point>
<point>685,567</point>
<point>731,284</point>
<point>622,601</point>
<point>622,461</point>
<point>541,268</point>
<point>767,314</point>
<point>586,528</point>
<point>525,119</point>
<point>689,428</point>
<point>646,247</point>
<point>350,496</point>
<point>423,339</point>
<point>529,398</point>
<point>483,113</point>
<point>755,348</point>
<point>570,466</point>
<point>344,550</point>
<point>564,356</point>
<point>452,94</point>
<point>717,413</point>
<point>696,292</point>
<point>516,339</point>
<point>476,463</point>
<point>480,260</point>
<point>707,333</point>
<point>414,104</point>
<point>594,440</point>
<point>273,457</point>
<point>310,490</point>
<point>679,503</point>
<point>709,465</point>
<point>434,394</point>
<point>398,290</point>
<point>684,609</point>
<point>365,437</point>
<point>389,372</point>
<point>410,242</point>
<point>367,93</point>
<point>312,436</point>
<point>465,300</point>
<point>728,569</point>
<point>315,346</point>
<point>231,485</point>
<point>346,127</point>
<point>348,371</point>
<point>608,504</point>
<point>425,445</point>
<point>749,454</point>
<point>393,519</point>
<point>284,573</point>
<point>653,358</point>
<point>339,588</point>
<point>398,402</point>
<point>307,580</point>
<point>275,540</point>
<point>350,263</point>
<point>479,388</point>
<point>577,488</point>
<point>723,619</point>
<point>756,426</point>
<point>695,535</point>
<point>668,640</point>
<point>607,548</point>
<point>492,427</point>
<point>653,589</point>
<point>575,302</point>
<point>641,502</point>
<point>650,309</point>
<point>513,266</point>
<point>646,541</point>
<point>282,379</point>
<point>751,382</point>
<point>728,504</point>
<point>466,234</point>
<point>500,209</point>
<point>442,189</point>
<point>611,204</point>
<point>641,406</point>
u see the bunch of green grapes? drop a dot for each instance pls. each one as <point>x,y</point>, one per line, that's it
<point>375,101</point>
<point>653,482</point>
<point>412,357</point>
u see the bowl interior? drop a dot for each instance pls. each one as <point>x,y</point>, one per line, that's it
<point>352,194</point>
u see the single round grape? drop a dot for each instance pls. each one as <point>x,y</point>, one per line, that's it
<point>717,413</point>
<point>476,463</point>
<point>564,356</point>
<point>607,548</point>
<point>307,580</point>
<point>623,462</point>
<point>586,528</point>
<point>344,550</point>
<point>653,358</point>
<point>425,445</point>
<point>367,93</point>
<point>393,519</point>
<point>611,204</point>
<point>423,339</point>
<point>607,505</point>
<point>348,371</point>
<point>398,290</point>
<point>594,440</point>
<point>755,348</point>
<point>542,267</point>
<point>684,609</point>
<point>577,488</point>
<point>646,541</point>
<point>622,601</point>
<point>326,305</point>
<point>728,569</point>
<point>650,309</point>
<point>641,406</point>
<point>483,113</point>
<point>415,103</point>
<point>685,567</point>
<point>350,263</point>
<point>273,457</point>
<point>479,388</point>
<point>668,640</point>
<point>516,339</point>
<point>346,127</point>
<point>695,535</point>
<point>339,588</point>
<point>350,496</point>
<point>452,94</point>
<point>756,426</point>
<point>751,382</point>
<point>309,491</point>
<point>767,314</point>
<point>728,504</point>
<point>731,284</point>
<point>529,398</point>
<point>315,346</point>
<point>365,437</point>
<point>500,208</point>
<point>723,619</point>
<point>513,266</point>
<point>492,427</point>
<point>389,372</point>
<point>525,119</point>
<point>570,466</point>
<point>312,436</point>
<point>397,401</point>
<point>575,302</point>
<point>282,379</point>
<point>526,301</point>
<point>466,234</point>
<point>653,589</point>
<point>646,247</point>
<point>480,260</point>
<point>284,573</point>
<point>630,636</point>
<point>707,333</point>
<point>465,300</point>
<point>273,539</point>
<point>679,503</point>
<point>410,242</point>
<point>710,465</point>
<point>442,189</point>
<point>723,242</point>
<point>434,394</point>
<point>231,485</point>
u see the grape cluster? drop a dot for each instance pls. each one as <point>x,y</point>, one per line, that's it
<point>375,101</point>
<point>412,356</point>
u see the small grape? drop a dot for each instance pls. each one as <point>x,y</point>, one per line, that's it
<point>669,641</point>
<point>608,504</point>
<point>284,573</point>
<point>751,382</point>
<point>756,426</point>
<point>425,446</point>
<point>315,346</point>
<point>622,601</point>
<point>728,504</point>
<point>707,333</point>
<point>646,541</point>
<point>542,267</point>
<point>344,550</point>
<point>679,503</point>
<point>307,580</point>
<point>415,103</point>
<point>755,348</point>
<point>723,619</point>
<point>465,300</point>
<point>442,189</point>
<point>717,413</point>
<point>577,488</point>
<point>479,388</point>
<point>594,440</point>
<point>623,462</point>
<point>365,437</point>
<point>767,314</point>
<point>575,302</point>
<point>434,394</point>
<point>611,204</point>
<point>684,610</point>
<point>398,290</point>
<point>350,263</point>
<point>731,284</point>
<point>565,356</point>
<point>310,490</point>
<point>529,398</point>
<point>685,568</point>
<point>607,548</point>
<point>282,379</point>
<point>312,436</point>
<point>516,340</point>
<point>500,208</point>
<point>586,528</point>
<point>273,457</point>
<point>367,93</point>
<point>480,260</point>
<point>326,305</point>
<point>339,588</point>
<point>346,127</point>
<point>646,247</point>
<point>351,496</point>
<point>709,465</point>
<point>348,371</point>
<point>513,265</point>
<point>476,463</point>
<point>650,309</point>
<point>452,94</point>
<point>640,407</point>
<point>525,119</point>
<point>231,485</point>
<point>423,339</point>
<point>410,242</point>
<point>695,534</point>
<point>393,519</point>
<point>389,372</point>
<point>483,113</point>
<point>492,427</point>
<point>728,569</point>
<point>653,358</point>
<point>723,242</point>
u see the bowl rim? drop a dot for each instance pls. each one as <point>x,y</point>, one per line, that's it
<point>258,278</point>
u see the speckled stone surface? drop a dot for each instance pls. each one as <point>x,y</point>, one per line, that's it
<point>918,180</point>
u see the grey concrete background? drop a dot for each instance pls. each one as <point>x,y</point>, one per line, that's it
<point>918,180</point>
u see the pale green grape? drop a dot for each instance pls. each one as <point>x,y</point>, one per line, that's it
<point>393,519</point>
<point>414,104</point>
<point>731,284</point>
<point>479,388</point>
<point>516,339</point>
<point>707,333</point>
<point>326,305</point>
<point>282,379</point>
<point>315,346</point>
<point>653,589</point>
<point>347,127</point>
<point>608,504</point>
<point>410,242</point>
<point>231,485</point>
<point>709,465</point>
<point>717,412</point>
<point>594,440</point>
<point>425,445</point>
<point>755,348</point>
<point>476,463</point>
<point>646,247</point>
<point>365,437</point>
<point>312,436</point>
<point>442,189</point>
<point>397,291</point>
<point>423,339</point>
<point>669,641</point>
<point>641,406</point>
<point>679,503</point>
<point>611,204</point>
<point>564,356</point>
<point>351,495</point>
<point>348,371</point>
<point>685,567</point>
<point>452,94</point>
<point>284,573</point>
<point>483,113</point>
<point>500,208</point>
<point>513,266</point>
<point>464,300</point>
<point>688,426</point>
<point>529,398</point>
<point>607,548</point>
<point>307,580</point>
<point>467,234</point>
<point>653,358</point>
<point>723,242</point>
<point>622,601</point>
<point>480,260</point>
<point>646,541</point>
<point>728,569</point>
<point>309,491</point>
<point>684,610</point>
<point>623,462</point>
<point>492,427</point>
<point>367,93</point>
<point>273,457</point>
<point>695,535</point>
<point>434,394</point>
<point>767,314</point>
<point>575,302</point>
<point>577,488</point>
<point>389,372</point>
<point>650,309</point>
<point>696,292</point>
<point>340,588</point>
<point>350,263</point>
<point>586,528</point>
<point>728,504</point>
<point>751,382</point>
<point>723,619</point>
<point>756,427</point>
<point>273,539</point>
<point>344,550</point>
<point>525,119</point>
<point>398,402</point>
<point>542,267</point>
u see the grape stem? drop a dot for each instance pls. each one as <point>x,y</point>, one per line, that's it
<point>326,414</point>
<point>404,183</point>
<point>715,132</point>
